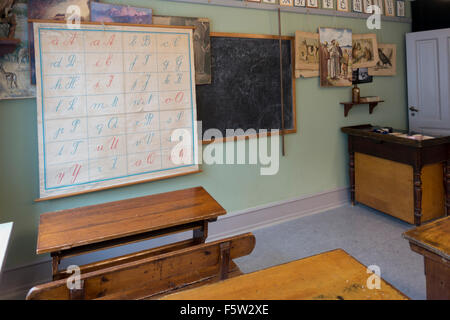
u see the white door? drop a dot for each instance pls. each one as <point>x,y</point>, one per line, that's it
<point>428,68</point>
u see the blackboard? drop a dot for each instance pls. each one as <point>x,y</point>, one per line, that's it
<point>245,90</point>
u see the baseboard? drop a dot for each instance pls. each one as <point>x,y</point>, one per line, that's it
<point>16,282</point>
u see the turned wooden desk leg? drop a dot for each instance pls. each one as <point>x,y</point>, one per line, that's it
<point>201,234</point>
<point>417,196</point>
<point>447,186</point>
<point>351,171</point>
<point>352,177</point>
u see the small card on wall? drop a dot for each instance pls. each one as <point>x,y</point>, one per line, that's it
<point>400,8</point>
<point>312,3</point>
<point>327,4</point>
<point>287,3</point>
<point>366,6</point>
<point>342,5</point>
<point>358,5</point>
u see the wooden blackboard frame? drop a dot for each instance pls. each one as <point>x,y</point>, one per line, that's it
<point>294,107</point>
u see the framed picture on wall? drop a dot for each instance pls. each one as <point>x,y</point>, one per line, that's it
<point>357,6</point>
<point>300,3</point>
<point>389,6</point>
<point>342,5</point>
<point>335,57</point>
<point>366,5</point>
<point>361,75</point>
<point>287,3</point>
<point>327,4</point>
<point>364,50</point>
<point>387,60</point>
<point>312,3</point>
<point>270,1</point>
<point>400,8</point>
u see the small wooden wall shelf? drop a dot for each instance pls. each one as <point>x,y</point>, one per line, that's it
<point>8,45</point>
<point>349,105</point>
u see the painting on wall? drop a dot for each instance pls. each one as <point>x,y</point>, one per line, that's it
<point>15,66</point>
<point>300,3</point>
<point>202,44</point>
<point>386,63</point>
<point>335,54</point>
<point>306,50</point>
<point>51,10</point>
<point>56,9</point>
<point>364,50</point>
<point>104,12</point>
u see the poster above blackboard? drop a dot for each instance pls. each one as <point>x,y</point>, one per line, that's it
<point>245,90</point>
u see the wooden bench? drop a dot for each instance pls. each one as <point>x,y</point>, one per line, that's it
<point>333,275</point>
<point>155,272</point>
<point>82,230</point>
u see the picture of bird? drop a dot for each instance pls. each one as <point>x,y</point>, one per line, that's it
<point>384,59</point>
<point>386,63</point>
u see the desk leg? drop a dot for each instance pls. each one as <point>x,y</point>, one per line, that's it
<point>55,264</point>
<point>447,186</point>
<point>201,234</point>
<point>417,196</point>
<point>352,178</point>
<point>437,280</point>
<point>351,170</point>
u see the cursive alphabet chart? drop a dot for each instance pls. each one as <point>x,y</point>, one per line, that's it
<point>116,105</point>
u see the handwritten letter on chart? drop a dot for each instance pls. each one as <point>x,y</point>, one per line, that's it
<point>109,99</point>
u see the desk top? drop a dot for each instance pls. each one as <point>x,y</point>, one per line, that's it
<point>65,229</point>
<point>333,275</point>
<point>366,131</point>
<point>5,233</point>
<point>434,237</point>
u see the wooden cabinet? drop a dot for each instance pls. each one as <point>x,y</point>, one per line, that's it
<point>408,179</point>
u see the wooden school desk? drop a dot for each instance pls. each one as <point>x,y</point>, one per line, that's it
<point>333,275</point>
<point>82,230</point>
<point>433,242</point>
<point>406,178</point>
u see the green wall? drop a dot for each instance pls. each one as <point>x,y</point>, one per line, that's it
<point>316,158</point>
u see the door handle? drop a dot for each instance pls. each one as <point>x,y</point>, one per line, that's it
<point>413,109</point>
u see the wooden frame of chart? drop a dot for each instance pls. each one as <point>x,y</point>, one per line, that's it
<point>116,105</point>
